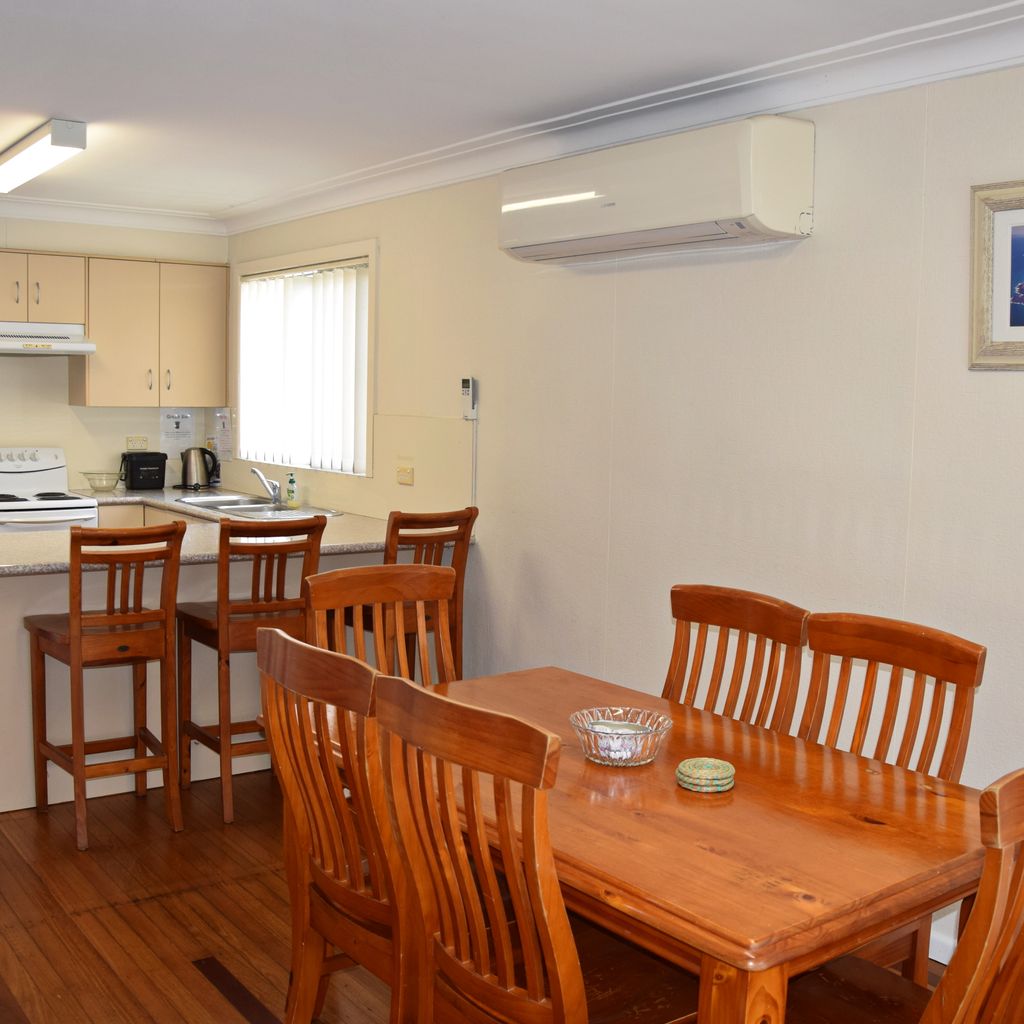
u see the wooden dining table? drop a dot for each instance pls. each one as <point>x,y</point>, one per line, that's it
<point>813,853</point>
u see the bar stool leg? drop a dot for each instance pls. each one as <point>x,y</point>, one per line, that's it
<point>139,703</point>
<point>224,725</point>
<point>78,750</point>
<point>185,703</point>
<point>38,668</point>
<point>169,738</point>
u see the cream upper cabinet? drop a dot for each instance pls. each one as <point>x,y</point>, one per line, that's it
<point>124,324</point>
<point>36,288</point>
<point>160,331</point>
<point>193,332</point>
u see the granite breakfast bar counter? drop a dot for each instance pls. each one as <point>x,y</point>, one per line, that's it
<point>33,580</point>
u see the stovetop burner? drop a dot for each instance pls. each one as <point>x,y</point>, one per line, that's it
<point>12,497</point>
<point>51,495</point>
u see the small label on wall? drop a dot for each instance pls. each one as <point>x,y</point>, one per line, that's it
<point>223,435</point>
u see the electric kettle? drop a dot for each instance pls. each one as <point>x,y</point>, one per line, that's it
<point>199,468</point>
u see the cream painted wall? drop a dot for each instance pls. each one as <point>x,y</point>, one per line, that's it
<point>799,421</point>
<point>34,391</point>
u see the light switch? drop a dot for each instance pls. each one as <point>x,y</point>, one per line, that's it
<point>404,475</point>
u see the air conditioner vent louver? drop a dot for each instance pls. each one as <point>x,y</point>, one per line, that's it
<point>732,185</point>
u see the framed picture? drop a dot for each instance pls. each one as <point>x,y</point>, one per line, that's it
<point>997,276</point>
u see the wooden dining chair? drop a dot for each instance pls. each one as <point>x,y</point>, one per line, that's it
<point>318,707</point>
<point>125,631</point>
<point>984,982</point>
<point>900,693</point>
<point>378,604</point>
<point>279,556</point>
<point>435,538</point>
<point>468,792</point>
<point>758,679</point>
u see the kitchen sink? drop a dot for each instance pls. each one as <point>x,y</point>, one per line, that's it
<point>219,501</point>
<point>250,506</point>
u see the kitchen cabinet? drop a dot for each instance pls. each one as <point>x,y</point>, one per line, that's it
<point>193,335</point>
<point>160,331</point>
<point>42,289</point>
<point>159,516</point>
<point>120,517</point>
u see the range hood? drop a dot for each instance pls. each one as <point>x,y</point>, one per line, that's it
<point>21,339</point>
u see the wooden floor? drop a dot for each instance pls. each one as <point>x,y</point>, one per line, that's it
<point>148,926</point>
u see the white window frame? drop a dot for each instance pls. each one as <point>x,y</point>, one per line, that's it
<point>365,250</point>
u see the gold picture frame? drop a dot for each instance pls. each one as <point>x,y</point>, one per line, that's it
<point>997,276</point>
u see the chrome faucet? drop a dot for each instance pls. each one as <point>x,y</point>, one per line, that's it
<point>273,487</point>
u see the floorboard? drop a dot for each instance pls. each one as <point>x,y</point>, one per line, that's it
<point>152,927</point>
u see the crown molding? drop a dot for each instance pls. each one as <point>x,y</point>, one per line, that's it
<point>986,40</point>
<point>102,215</point>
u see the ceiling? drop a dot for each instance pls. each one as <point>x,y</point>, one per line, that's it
<point>217,117</point>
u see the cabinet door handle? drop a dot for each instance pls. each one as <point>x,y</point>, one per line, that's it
<point>149,379</point>
<point>37,293</point>
<point>168,380</point>
<point>17,293</point>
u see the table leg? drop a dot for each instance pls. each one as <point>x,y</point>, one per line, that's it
<point>731,996</point>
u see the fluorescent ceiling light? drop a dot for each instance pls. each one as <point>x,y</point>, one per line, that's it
<point>528,204</point>
<point>49,145</point>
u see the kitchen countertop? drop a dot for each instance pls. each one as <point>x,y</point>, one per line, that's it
<point>43,552</point>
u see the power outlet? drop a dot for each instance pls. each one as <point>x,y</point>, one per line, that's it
<point>404,475</point>
<point>136,443</point>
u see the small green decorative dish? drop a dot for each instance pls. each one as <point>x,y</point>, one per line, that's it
<point>706,775</point>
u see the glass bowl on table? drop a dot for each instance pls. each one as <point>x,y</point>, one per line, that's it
<point>621,737</point>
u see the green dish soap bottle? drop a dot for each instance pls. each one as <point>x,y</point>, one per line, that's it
<point>291,498</point>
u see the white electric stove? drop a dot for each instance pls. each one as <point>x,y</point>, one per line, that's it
<point>34,492</point>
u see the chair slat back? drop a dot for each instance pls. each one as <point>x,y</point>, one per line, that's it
<point>754,669</point>
<point>125,555</point>
<point>468,789</point>
<point>388,609</point>
<point>435,538</point>
<point>985,979</point>
<point>319,712</point>
<point>891,690</point>
<point>273,550</point>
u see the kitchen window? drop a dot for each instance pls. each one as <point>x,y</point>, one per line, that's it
<point>304,364</point>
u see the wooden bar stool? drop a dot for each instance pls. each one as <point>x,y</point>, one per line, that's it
<point>124,632</point>
<point>228,626</point>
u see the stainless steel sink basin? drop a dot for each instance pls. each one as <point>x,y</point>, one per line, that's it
<point>219,501</point>
<point>271,511</point>
<point>250,506</point>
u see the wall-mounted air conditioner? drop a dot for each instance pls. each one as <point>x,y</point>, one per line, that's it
<point>727,186</point>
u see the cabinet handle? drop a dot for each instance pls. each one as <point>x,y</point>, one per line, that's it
<point>149,379</point>
<point>168,380</point>
<point>37,293</point>
<point>17,293</point>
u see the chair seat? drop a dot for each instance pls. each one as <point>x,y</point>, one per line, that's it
<point>627,985</point>
<point>199,619</point>
<point>100,645</point>
<point>854,991</point>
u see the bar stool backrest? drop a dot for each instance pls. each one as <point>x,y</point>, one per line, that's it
<point>268,547</point>
<point>125,555</point>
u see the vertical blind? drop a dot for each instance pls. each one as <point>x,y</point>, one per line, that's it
<point>303,367</point>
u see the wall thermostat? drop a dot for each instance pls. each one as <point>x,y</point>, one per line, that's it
<point>469,398</point>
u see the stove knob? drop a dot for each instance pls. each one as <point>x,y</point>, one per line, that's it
<point>34,456</point>
<point>21,456</point>
<point>10,456</point>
